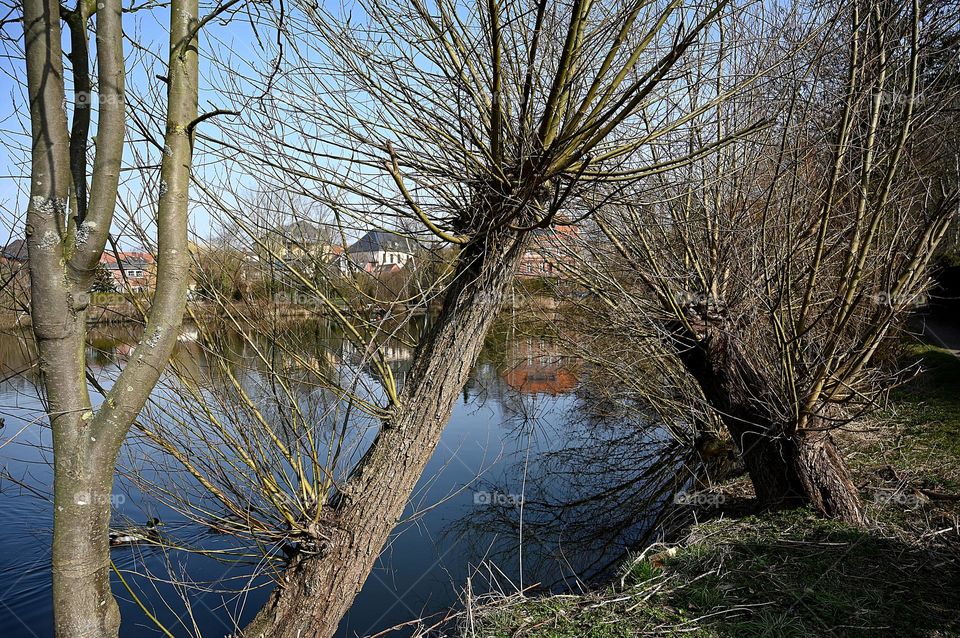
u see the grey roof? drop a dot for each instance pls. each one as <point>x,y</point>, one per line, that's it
<point>382,240</point>
<point>302,229</point>
<point>16,250</point>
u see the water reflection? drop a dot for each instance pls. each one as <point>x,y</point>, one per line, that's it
<point>590,487</point>
<point>18,354</point>
<point>537,365</point>
<point>589,494</point>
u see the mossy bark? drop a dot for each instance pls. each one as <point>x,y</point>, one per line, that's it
<point>64,250</point>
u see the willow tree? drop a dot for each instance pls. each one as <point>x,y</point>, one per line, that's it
<point>475,123</point>
<point>67,227</point>
<point>778,271</point>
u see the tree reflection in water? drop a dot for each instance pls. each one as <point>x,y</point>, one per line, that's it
<point>597,477</point>
<point>594,486</point>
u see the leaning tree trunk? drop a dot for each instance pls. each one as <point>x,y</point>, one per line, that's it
<point>788,468</point>
<point>315,591</point>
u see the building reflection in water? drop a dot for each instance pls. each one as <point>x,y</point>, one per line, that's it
<point>591,488</point>
<point>537,365</point>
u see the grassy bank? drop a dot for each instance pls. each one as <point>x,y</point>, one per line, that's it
<point>792,573</point>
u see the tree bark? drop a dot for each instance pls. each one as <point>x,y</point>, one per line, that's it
<point>788,468</point>
<point>824,477</point>
<point>316,591</point>
<point>63,255</point>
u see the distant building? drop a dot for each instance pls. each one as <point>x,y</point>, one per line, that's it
<point>550,248</point>
<point>134,271</point>
<point>14,254</point>
<point>300,248</point>
<point>303,239</point>
<point>379,252</point>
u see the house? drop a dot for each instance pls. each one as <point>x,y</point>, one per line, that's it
<point>301,247</point>
<point>14,254</point>
<point>550,249</point>
<point>133,271</point>
<point>379,252</point>
<point>301,240</point>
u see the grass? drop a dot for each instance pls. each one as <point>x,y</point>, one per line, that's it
<point>809,576</point>
<point>781,574</point>
<point>912,454</point>
<point>792,573</point>
<point>928,407</point>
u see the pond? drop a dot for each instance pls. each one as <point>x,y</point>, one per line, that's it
<point>530,488</point>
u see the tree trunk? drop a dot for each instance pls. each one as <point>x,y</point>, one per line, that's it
<point>63,256</point>
<point>82,600</point>
<point>824,477</point>
<point>316,591</point>
<point>788,468</point>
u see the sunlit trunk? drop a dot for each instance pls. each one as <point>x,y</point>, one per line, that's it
<point>316,591</point>
<point>64,248</point>
<point>82,601</point>
<point>788,468</point>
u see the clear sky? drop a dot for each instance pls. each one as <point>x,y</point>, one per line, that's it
<point>233,44</point>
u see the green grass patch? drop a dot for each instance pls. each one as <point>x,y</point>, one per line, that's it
<point>929,405</point>
<point>783,574</point>
<point>792,573</point>
<point>918,443</point>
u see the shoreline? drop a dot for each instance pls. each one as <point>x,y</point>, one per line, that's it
<point>792,573</point>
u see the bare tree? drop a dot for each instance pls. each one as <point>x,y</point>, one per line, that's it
<point>478,123</point>
<point>776,270</point>
<point>67,230</point>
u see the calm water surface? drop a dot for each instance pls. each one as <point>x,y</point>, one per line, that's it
<point>589,486</point>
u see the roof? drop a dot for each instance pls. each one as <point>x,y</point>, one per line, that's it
<point>377,240</point>
<point>533,379</point>
<point>129,259</point>
<point>302,231</point>
<point>560,232</point>
<point>15,250</point>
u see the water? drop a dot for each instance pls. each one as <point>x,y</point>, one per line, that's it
<point>528,489</point>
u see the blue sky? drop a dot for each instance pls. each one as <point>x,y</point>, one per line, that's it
<point>234,44</point>
<point>229,53</point>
